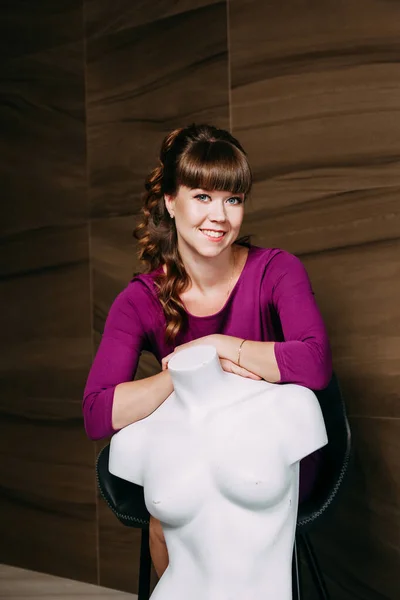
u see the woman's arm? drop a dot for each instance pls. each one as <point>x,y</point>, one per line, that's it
<point>256,357</point>
<point>111,399</point>
<point>305,355</point>
<point>135,400</point>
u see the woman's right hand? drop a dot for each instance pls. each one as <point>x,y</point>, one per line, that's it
<point>231,367</point>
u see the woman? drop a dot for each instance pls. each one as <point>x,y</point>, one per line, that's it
<point>204,285</point>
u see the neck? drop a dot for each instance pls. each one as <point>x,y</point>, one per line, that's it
<point>195,372</point>
<point>210,274</point>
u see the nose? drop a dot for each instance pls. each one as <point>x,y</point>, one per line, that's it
<point>217,212</point>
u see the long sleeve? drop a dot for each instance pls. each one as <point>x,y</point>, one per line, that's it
<point>304,357</point>
<point>115,362</point>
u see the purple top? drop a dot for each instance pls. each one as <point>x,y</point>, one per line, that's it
<point>271,301</point>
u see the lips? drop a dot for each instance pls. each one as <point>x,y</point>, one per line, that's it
<point>218,237</point>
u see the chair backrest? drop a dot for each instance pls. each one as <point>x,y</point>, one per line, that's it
<point>125,499</point>
<point>336,457</point>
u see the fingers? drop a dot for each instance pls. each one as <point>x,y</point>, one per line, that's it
<point>252,376</point>
<point>231,367</point>
<point>246,373</point>
<point>165,361</point>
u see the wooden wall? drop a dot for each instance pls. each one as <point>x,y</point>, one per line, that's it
<point>315,97</point>
<point>312,90</point>
<point>48,504</point>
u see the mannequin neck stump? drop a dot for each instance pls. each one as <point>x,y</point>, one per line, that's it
<point>194,373</point>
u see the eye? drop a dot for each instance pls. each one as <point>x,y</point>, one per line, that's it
<point>237,199</point>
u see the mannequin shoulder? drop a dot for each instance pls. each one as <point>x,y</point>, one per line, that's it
<point>291,406</point>
<point>298,400</point>
<point>301,421</point>
<point>130,437</point>
<point>131,441</point>
<point>287,402</point>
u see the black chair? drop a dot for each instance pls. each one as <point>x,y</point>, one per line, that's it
<point>126,499</point>
<point>336,460</point>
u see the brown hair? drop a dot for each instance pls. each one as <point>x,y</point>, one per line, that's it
<point>195,156</point>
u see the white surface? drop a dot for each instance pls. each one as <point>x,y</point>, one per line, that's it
<point>219,464</point>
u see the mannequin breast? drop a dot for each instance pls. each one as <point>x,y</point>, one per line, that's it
<point>231,456</point>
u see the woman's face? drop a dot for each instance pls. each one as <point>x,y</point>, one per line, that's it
<point>207,221</point>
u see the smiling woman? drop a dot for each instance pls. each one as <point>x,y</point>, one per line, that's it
<point>202,284</point>
<point>201,183</point>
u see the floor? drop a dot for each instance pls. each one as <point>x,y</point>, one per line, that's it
<point>20,584</point>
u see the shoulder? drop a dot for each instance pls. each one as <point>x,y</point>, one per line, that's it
<point>134,295</point>
<point>135,304</point>
<point>141,290</point>
<point>273,258</point>
<point>270,265</point>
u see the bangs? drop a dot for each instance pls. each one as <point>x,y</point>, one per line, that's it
<point>215,166</point>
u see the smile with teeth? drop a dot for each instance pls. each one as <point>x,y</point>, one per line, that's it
<point>214,234</point>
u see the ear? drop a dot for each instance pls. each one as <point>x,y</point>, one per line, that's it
<point>169,203</point>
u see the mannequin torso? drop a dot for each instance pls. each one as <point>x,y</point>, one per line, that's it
<point>219,462</point>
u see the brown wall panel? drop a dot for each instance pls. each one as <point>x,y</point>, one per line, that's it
<point>119,551</point>
<point>318,113</point>
<point>48,508</point>
<point>113,262</point>
<point>358,290</point>
<point>359,546</point>
<point>143,81</point>
<point>340,220</point>
<point>47,486</point>
<point>42,118</point>
<point>148,71</point>
<point>105,17</point>
<point>30,27</point>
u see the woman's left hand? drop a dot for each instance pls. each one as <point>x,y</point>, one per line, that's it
<point>210,340</point>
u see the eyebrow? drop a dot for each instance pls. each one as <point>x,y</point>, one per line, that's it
<point>210,192</point>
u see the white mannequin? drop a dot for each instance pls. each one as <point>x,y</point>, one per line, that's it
<point>219,462</point>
